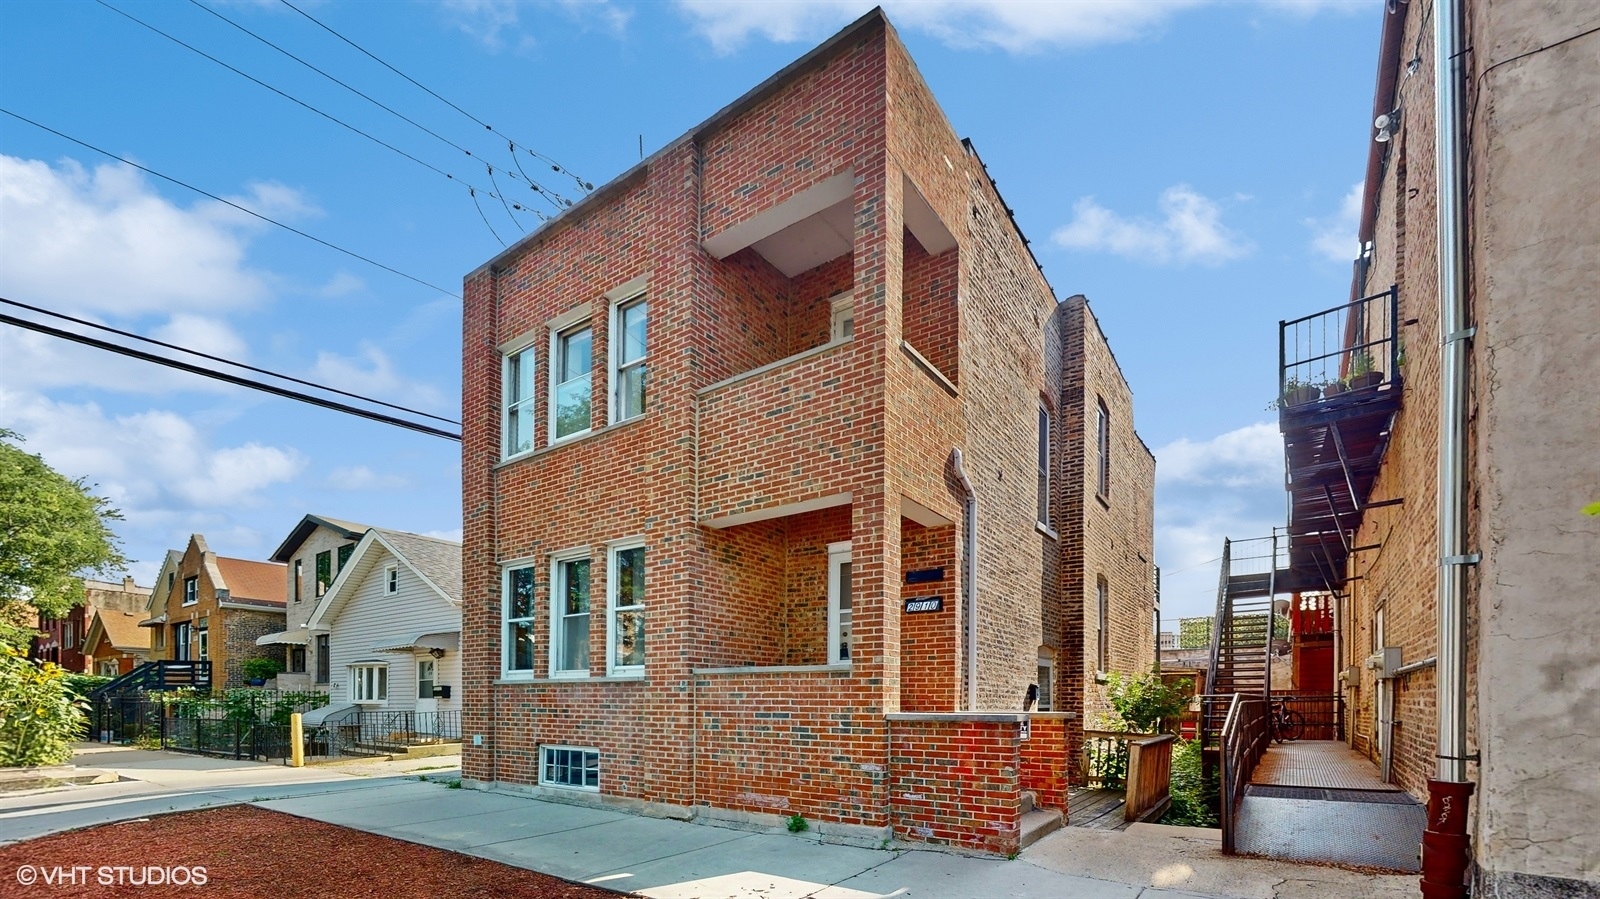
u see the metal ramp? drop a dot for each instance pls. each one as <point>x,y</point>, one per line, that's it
<point>1320,801</point>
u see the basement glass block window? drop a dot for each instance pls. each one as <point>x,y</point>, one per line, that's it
<point>630,375</point>
<point>517,396</point>
<point>519,619</point>
<point>570,382</point>
<point>570,766</point>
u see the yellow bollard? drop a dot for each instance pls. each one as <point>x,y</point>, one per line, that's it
<point>297,742</point>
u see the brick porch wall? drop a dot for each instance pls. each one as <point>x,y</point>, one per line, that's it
<point>956,780</point>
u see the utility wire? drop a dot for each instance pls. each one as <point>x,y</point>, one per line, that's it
<point>171,346</point>
<point>290,98</point>
<point>554,198</point>
<point>555,166</point>
<point>271,221</point>
<point>225,377</point>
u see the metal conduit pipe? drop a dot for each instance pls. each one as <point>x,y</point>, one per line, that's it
<point>1446,845</point>
<point>969,577</point>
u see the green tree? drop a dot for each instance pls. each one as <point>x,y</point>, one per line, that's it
<point>52,531</point>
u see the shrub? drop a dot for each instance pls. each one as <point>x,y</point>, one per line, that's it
<point>260,669</point>
<point>39,715</point>
<point>797,823</point>
<point>1194,796</point>
<point>1144,704</point>
<point>82,684</point>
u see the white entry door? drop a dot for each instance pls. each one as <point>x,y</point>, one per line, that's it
<point>426,704</point>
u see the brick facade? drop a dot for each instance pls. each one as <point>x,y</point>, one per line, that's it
<point>770,441</point>
<point>231,623</point>
<point>1531,411</point>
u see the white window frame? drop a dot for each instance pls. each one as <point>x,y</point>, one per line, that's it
<point>838,555</point>
<point>1102,442</point>
<point>614,364</point>
<point>506,621</point>
<point>380,683</point>
<point>512,355</point>
<point>557,335</point>
<point>391,580</point>
<point>1047,681</point>
<point>544,781</point>
<point>191,597</point>
<point>612,631</point>
<point>1044,453</point>
<point>558,587</point>
<point>843,312</point>
<point>202,636</point>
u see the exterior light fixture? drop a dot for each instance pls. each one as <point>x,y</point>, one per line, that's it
<point>1386,125</point>
<point>436,653</point>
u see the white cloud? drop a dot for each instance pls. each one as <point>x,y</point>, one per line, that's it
<point>105,241</point>
<point>1250,456</point>
<point>1335,236</point>
<point>341,284</point>
<point>498,22</point>
<point>372,373</point>
<point>207,335</point>
<point>1015,26</point>
<point>152,462</point>
<point>1227,486</point>
<point>1190,231</point>
<point>360,477</point>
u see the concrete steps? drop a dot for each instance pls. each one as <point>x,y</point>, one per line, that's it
<point>1037,822</point>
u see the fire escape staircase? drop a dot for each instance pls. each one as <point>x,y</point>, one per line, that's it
<point>1241,632</point>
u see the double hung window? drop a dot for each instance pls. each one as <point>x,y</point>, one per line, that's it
<point>1103,449</point>
<point>517,396</point>
<point>628,380</point>
<point>191,590</point>
<point>1044,465</point>
<point>517,639</point>
<point>572,370</point>
<point>324,571</point>
<point>625,599</point>
<point>569,603</point>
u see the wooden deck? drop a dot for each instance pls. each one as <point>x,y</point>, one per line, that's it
<point>1096,809</point>
<point>1328,764</point>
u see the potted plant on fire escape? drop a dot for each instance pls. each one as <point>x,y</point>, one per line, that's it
<point>1362,375</point>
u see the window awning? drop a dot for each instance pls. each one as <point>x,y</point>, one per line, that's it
<point>154,622</point>
<point>442,640</point>
<point>296,637</point>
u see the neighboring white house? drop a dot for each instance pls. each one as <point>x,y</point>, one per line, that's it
<point>392,617</point>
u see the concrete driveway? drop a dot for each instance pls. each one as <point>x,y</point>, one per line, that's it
<point>663,859</point>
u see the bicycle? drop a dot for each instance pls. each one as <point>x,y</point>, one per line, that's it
<point>1287,724</point>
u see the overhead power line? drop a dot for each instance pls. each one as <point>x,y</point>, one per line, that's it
<point>554,165</point>
<point>172,346</point>
<point>293,99</point>
<point>554,197</point>
<point>226,377</point>
<point>251,212</point>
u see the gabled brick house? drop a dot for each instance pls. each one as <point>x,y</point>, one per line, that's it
<point>207,607</point>
<point>313,555</point>
<point>775,460</point>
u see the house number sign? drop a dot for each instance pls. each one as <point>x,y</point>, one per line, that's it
<point>924,604</point>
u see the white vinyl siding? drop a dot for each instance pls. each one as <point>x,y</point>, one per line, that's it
<point>369,618</point>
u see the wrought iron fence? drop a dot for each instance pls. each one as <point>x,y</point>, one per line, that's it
<point>240,724</point>
<point>1350,349</point>
<point>376,732</point>
<point>1321,714</point>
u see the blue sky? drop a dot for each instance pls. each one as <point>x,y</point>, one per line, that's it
<point>1188,166</point>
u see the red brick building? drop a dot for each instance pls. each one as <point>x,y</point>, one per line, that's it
<point>787,479</point>
<point>64,640</point>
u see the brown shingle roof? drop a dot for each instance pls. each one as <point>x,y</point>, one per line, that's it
<point>123,630</point>
<point>263,582</point>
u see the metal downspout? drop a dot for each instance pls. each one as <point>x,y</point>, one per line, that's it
<point>1448,78</point>
<point>969,577</point>
<point>1446,845</point>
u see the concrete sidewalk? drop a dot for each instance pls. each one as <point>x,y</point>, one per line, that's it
<point>666,859</point>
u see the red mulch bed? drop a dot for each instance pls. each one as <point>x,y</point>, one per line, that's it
<point>251,852</point>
